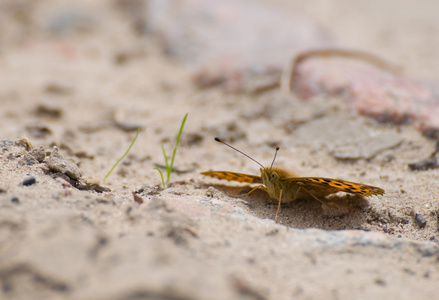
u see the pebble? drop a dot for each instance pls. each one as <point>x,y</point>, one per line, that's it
<point>29,181</point>
<point>420,220</point>
<point>57,163</point>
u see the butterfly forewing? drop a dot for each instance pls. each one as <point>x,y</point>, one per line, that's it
<point>328,186</point>
<point>232,176</point>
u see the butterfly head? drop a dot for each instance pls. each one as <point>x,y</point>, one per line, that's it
<point>272,176</point>
<point>273,179</point>
<point>269,176</point>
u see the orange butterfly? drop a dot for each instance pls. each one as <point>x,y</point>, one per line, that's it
<point>281,185</point>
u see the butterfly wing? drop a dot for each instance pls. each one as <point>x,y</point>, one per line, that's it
<point>232,176</point>
<point>327,186</point>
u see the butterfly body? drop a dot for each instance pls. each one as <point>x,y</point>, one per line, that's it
<point>275,180</point>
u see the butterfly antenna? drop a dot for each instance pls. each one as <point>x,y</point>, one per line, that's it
<point>275,153</point>
<point>220,141</point>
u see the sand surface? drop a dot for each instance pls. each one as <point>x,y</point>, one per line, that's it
<point>82,76</point>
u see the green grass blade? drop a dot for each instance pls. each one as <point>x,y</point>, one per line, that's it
<point>161,175</point>
<point>123,156</point>
<point>166,158</point>
<point>169,171</point>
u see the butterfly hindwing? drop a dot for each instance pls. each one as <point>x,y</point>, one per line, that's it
<point>232,176</point>
<point>329,186</point>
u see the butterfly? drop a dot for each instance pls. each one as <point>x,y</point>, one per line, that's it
<point>285,187</point>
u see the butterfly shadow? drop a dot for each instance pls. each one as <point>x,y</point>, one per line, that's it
<point>343,211</point>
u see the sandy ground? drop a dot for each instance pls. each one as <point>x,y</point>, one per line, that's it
<point>82,76</point>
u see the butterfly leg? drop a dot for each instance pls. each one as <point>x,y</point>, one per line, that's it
<point>280,201</point>
<point>296,193</point>
<point>278,206</point>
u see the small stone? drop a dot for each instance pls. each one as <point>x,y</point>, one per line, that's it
<point>15,200</point>
<point>48,111</point>
<point>38,153</point>
<point>34,156</point>
<point>57,163</point>
<point>420,220</point>
<point>137,198</point>
<point>29,181</point>
<point>426,164</point>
